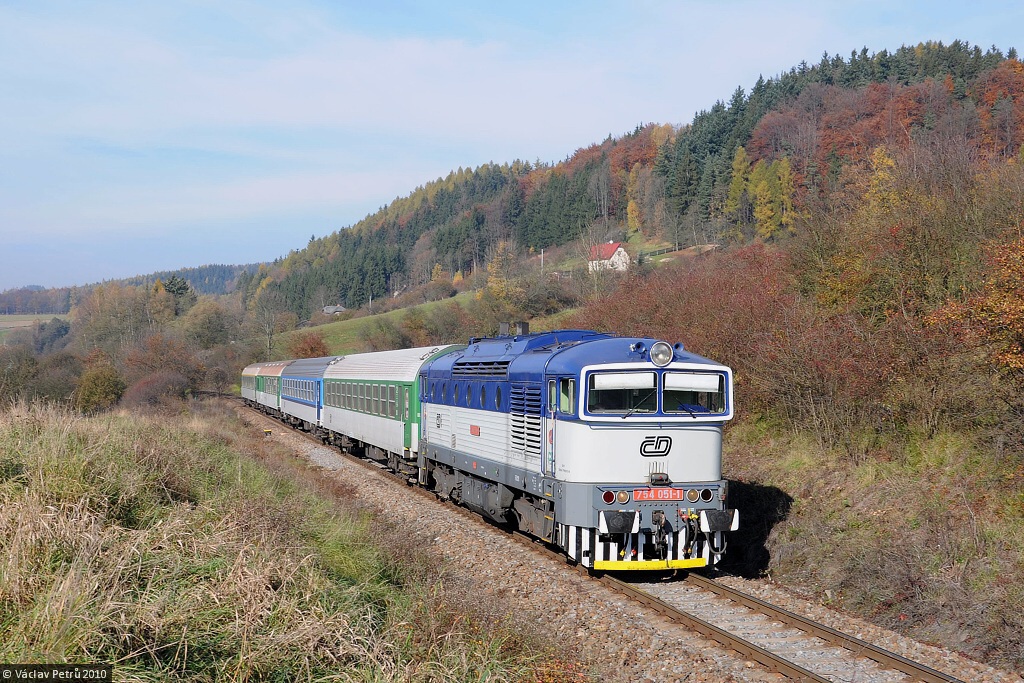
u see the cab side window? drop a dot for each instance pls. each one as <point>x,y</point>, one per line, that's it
<point>566,395</point>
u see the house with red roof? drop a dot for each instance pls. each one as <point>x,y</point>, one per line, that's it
<point>608,256</point>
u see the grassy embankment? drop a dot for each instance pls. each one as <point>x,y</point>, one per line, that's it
<point>187,548</point>
<point>348,336</point>
<point>929,542</point>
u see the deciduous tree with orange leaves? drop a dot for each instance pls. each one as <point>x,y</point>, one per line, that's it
<point>309,344</point>
<point>994,318</point>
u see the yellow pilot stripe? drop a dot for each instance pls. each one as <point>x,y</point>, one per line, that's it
<point>651,564</point>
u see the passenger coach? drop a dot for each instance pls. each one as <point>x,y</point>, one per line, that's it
<point>372,404</point>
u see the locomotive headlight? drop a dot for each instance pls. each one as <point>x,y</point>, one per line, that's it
<point>623,497</point>
<point>692,495</point>
<point>661,354</point>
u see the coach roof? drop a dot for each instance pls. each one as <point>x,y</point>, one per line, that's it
<point>401,365</point>
<point>308,367</point>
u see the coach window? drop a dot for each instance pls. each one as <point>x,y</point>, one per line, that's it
<point>405,403</point>
<point>392,402</point>
<point>552,395</point>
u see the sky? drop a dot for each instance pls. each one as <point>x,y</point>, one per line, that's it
<point>142,136</point>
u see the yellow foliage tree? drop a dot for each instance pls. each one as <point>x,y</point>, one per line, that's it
<point>161,304</point>
<point>634,215</point>
<point>882,194</point>
<point>502,276</point>
<point>996,314</point>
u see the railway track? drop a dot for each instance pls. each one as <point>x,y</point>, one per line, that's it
<point>792,645</point>
<point>782,642</point>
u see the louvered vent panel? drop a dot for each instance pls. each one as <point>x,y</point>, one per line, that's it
<point>524,422</point>
<point>484,368</point>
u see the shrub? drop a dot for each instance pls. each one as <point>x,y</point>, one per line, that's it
<point>155,388</point>
<point>99,388</point>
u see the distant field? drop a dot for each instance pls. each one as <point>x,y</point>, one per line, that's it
<point>8,323</point>
<point>348,336</point>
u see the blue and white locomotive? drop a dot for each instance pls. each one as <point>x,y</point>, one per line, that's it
<point>607,447</point>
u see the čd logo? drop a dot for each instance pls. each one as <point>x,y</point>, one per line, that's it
<point>653,446</point>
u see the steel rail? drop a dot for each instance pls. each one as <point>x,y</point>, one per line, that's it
<point>769,660</point>
<point>889,660</point>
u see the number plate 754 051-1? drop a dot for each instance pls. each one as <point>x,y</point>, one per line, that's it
<point>659,494</point>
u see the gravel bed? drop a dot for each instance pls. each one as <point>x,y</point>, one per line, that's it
<point>610,633</point>
<point>940,659</point>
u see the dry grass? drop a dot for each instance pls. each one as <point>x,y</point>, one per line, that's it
<point>179,547</point>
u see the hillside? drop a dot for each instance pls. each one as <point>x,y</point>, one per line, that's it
<point>682,184</point>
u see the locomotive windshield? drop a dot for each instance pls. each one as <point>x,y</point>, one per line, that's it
<point>622,392</point>
<point>630,393</point>
<point>691,392</point>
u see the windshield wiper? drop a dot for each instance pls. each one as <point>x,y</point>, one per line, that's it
<point>640,403</point>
